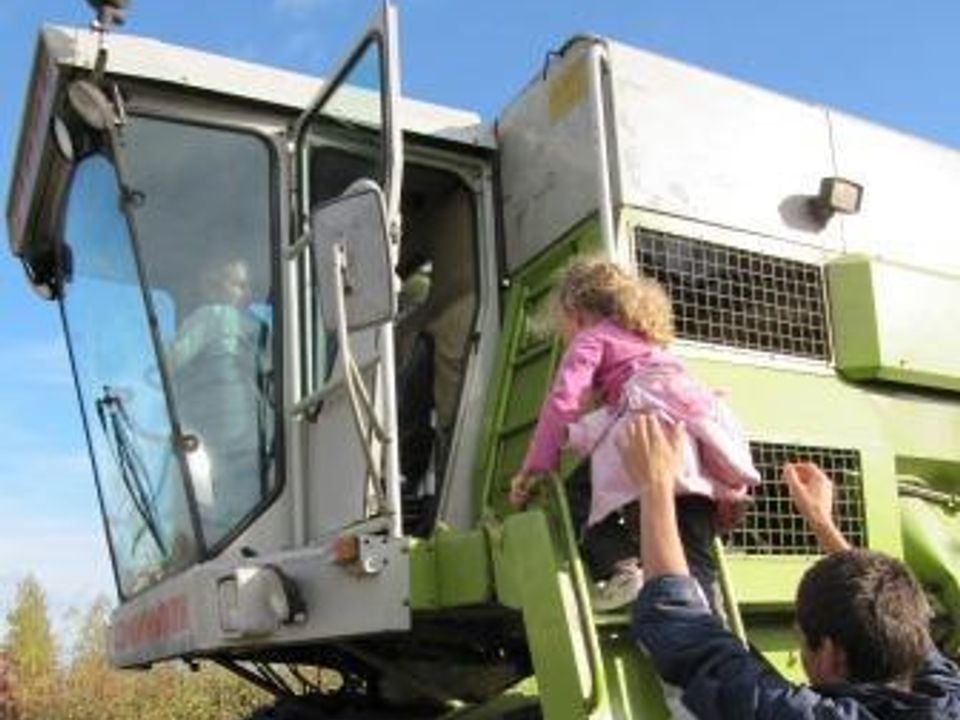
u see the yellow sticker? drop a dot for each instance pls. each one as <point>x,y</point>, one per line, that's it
<point>567,89</point>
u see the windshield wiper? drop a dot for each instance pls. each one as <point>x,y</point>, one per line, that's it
<point>118,429</point>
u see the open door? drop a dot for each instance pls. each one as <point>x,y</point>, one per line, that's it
<point>363,92</point>
<point>346,249</point>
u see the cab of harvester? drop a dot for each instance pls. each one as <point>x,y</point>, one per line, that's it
<point>301,321</point>
<point>224,242</point>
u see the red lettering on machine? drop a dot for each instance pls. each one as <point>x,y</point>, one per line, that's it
<point>158,623</point>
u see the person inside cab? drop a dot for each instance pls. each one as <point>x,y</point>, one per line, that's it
<point>219,362</point>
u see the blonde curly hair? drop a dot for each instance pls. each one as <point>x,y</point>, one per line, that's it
<point>603,289</point>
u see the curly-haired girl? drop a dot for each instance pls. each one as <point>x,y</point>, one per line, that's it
<point>617,326</point>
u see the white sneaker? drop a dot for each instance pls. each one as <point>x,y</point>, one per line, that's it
<point>620,589</point>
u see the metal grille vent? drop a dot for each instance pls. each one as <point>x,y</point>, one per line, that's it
<point>736,297</point>
<point>773,527</point>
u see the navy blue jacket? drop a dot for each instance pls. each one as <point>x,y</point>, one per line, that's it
<point>720,679</point>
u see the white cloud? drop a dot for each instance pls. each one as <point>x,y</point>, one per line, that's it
<point>297,7</point>
<point>36,361</point>
<point>71,562</point>
<point>42,463</point>
<point>42,443</point>
<point>49,520</point>
<point>55,469</point>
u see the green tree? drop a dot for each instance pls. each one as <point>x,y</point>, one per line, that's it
<point>90,635</point>
<point>29,635</point>
<point>90,686</point>
<point>33,651</point>
<point>94,690</point>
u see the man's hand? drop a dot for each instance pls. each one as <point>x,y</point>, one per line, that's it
<point>652,450</point>
<point>520,487</point>
<point>812,494</point>
<point>811,491</point>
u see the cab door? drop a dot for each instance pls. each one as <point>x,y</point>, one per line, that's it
<point>345,465</point>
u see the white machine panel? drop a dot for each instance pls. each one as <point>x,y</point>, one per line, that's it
<point>549,158</point>
<point>185,615</point>
<point>911,188</point>
<point>697,145</point>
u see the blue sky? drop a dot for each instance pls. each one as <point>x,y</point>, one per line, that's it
<point>881,59</point>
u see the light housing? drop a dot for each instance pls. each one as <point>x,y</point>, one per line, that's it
<point>837,195</point>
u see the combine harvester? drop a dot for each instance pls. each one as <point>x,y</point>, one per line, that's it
<point>303,414</point>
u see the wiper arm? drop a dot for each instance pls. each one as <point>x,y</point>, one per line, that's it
<point>118,429</point>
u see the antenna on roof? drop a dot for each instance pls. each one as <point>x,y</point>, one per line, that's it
<point>110,13</point>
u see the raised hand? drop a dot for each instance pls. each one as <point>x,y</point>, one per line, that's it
<point>812,494</point>
<point>651,450</point>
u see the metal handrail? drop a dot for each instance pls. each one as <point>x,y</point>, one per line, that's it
<point>730,604</point>
<point>913,486</point>
<point>581,595</point>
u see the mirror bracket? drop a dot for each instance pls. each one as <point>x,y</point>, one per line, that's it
<point>362,410</point>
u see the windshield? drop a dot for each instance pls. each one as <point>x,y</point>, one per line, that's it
<point>128,427</point>
<point>204,225</point>
<point>202,210</point>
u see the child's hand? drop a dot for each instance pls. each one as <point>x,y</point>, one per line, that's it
<point>520,487</point>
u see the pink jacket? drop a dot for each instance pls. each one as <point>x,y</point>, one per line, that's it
<point>633,375</point>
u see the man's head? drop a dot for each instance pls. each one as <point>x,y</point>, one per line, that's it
<point>863,618</point>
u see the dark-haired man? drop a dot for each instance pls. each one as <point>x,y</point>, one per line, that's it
<point>862,616</point>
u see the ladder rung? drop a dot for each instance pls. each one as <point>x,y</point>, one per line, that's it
<point>532,353</point>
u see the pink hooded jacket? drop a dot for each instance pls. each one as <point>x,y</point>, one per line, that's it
<point>632,375</point>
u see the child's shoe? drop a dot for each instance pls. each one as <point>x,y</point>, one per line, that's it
<point>619,589</point>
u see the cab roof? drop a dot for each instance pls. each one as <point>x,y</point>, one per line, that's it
<point>149,59</point>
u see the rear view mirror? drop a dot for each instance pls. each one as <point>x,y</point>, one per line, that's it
<point>355,225</point>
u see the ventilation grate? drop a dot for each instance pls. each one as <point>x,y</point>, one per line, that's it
<point>738,298</point>
<point>773,527</point>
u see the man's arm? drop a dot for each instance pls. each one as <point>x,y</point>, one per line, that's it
<point>718,678</point>
<point>812,493</point>
<point>688,645</point>
<point>651,453</point>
